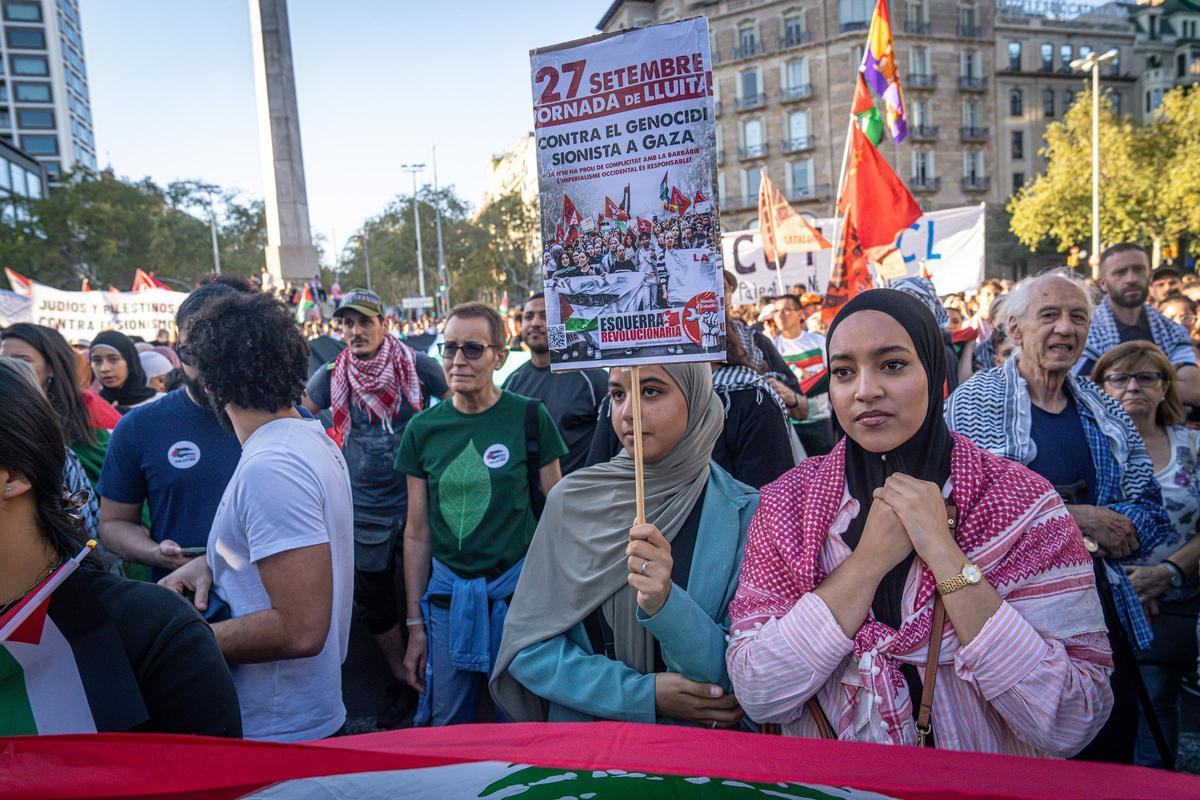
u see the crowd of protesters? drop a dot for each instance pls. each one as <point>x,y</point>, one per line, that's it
<point>998,489</point>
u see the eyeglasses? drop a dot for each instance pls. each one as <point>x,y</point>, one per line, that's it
<point>1146,380</point>
<point>472,350</point>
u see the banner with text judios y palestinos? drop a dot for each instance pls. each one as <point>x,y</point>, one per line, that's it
<point>82,315</point>
<point>626,150</point>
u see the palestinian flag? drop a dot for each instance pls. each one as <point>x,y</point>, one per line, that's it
<point>305,306</point>
<point>817,384</point>
<point>805,360</point>
<point>42,689</point>
<point>537,761</point>
<point>664,191</point>
<point>866,113</point>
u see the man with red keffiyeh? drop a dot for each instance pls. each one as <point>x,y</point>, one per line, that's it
<point>373,388</point>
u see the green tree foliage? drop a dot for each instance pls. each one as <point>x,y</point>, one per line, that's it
<point>1148,177</point>
<point>99,227</point>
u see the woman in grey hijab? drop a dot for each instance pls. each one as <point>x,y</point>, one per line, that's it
<point>628,623</point>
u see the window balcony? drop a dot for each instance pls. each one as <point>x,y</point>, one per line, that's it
<point>798,144</point>
<point>923,133</point>
<point>968,133</point>
<point>790,94</point>
<point>925,184</point>
<point>969,83</point>
<point>976,183</point>
<point>970,31</point>
<point>751,101</point>
<point>738,202</point>
<point>810,193</point>
<point>861,25</point>
<point>1047,67</point>
<point>918,27</point>
<point>752,151</point>
<point>794,39</point>
<point>920,80</point>
<point>747,50</point>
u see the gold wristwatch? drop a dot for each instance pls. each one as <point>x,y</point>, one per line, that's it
<point>969,576</point>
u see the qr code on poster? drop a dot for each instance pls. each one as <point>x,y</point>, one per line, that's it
<point>557,336</point>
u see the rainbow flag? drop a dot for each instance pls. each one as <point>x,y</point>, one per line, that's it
<point>881,72</point>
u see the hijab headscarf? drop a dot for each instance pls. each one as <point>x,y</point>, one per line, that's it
<point>134,390</point>
<point>576,561</point>
<point>926,454</point>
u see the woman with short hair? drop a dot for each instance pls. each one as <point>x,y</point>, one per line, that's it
<point>1140,376</point>
<point>470,515</point>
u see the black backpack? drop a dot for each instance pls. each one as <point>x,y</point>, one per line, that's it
<point>533,452</point>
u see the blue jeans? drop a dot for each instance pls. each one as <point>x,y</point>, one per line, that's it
<point>453,694</point>
<point>1162,683</point>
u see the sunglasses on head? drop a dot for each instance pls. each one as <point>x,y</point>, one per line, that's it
<point>472,350</point>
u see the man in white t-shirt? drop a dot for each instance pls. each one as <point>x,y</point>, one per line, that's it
<point>277,583</point>
<point>804,351</point>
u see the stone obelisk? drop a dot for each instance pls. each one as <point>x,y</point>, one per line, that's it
<point>290,252</point>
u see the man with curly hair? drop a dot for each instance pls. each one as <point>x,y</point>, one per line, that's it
<point>280,553</point>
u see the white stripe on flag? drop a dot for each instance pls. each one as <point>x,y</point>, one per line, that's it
<point>52,683</point>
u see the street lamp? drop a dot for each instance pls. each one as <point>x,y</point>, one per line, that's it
<point>414,169</point>
<point>1092,62</point>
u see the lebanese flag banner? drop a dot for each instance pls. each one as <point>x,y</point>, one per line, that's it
<point>539,760</point>
<point>644,225</point>
<point>19,283</point>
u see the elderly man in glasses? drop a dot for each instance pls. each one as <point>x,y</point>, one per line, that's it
<point>1035,411</point>
<point>373,388</point>
<point>473,464</point>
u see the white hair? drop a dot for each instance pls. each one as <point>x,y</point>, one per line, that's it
<point>1017,301</point>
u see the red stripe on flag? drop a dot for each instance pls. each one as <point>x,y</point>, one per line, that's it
<point>30,631</point>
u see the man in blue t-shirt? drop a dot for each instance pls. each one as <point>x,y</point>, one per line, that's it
<point>173,455</point>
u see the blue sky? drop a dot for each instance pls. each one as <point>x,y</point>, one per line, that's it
<point>378,82</point>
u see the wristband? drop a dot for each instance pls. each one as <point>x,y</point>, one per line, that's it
<point>412,622</point>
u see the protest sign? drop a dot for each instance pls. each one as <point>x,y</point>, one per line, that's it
<point>81,315</point>
<point>948,245</point>
<point>629,116</point>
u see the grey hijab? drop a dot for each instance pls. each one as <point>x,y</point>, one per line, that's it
<point>576,561</point>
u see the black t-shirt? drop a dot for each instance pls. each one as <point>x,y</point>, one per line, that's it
<point>147,661</point>
<point>753,446</point>
<point>380,493</point>
<point>573,400</point>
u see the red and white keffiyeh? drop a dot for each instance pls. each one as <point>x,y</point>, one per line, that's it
<point>1011,523</point>
<point>376,385</point>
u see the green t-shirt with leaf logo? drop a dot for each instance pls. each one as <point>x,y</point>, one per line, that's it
<point>480,519</point>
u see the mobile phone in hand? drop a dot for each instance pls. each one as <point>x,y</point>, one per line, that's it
<point>192,552</point>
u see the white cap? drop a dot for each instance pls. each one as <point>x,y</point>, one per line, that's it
<point>154,364</point>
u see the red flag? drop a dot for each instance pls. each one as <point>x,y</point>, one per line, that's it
<point>644,225</point>
<point>19,283</point>
<point>699,198</point>
<point>112,288</point>
<point>679,201</point>
<point>850,274</point>
<point>572,235</point>
<point>875,201</point>
<point>570,213</point>
<point>146,280</point>
<point>614,211</point>
<point>559,234</point>
<point>87,287</point>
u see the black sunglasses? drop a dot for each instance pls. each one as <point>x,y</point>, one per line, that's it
<point>472,350</point>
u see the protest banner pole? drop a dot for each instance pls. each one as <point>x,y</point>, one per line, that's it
<point>639,477</point>
<point>837,195</point>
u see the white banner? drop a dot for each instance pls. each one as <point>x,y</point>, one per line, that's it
<point>626,151</point>
<point>948,244</point>
<point>81,315</point>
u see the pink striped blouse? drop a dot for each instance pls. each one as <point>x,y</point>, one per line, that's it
<point>1010,690</point>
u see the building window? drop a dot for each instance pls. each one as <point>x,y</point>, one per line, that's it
<point>1014,56</point>
<point>3,92</point>
<point>1048,103</point>
<point>922,166</point>
<point>970,64</point>
<point>31,92</point>
<point>1066,54</point>
<point>970,114</point>
<point>40,145</point>
<point>973,165</point>
<point>747,40</point>
<point>53,171</point>
<point>1047,57</point>
<point>1115,99</point>
<point>30,65</point>
<point>1068,99</point>
<point>802,177</point>
<point>5,119</point>
<point>1018,181</point>
<point>796,73</point>
<point>853,14</point>
<point>798,128</point>
<point>793,30</point>
<point>918,61</point>
<point>918,14</point>
<point>967,18</point>
<point>752,138</point>
<point>1016,103</point>
<point>668,13</point>
<point>1114,66</point>
<point>35,118</point>
<point>748,85</point>
<point>920,113</point>
<point>1181,65</point>
<point>22,12</point>
<point>26,38</point>
<point>1018,144</point>
<point>752,180</point>
<point>1085,50</point>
